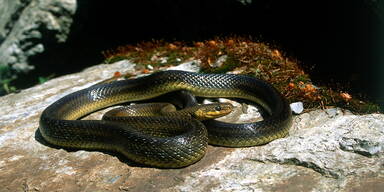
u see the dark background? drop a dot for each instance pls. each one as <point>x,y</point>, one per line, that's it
<point>338,42</point>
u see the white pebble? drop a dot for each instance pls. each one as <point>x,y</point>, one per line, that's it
<point>297,107</point>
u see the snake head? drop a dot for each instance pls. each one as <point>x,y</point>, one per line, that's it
<point>212,111</point>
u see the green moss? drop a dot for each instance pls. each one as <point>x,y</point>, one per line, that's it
<point>45,79</point>
<point>301,78</point>
<point>115,59</point>
<point>174,58</point>
<point>7,75</point>
<point>229,64</point>
<point>360,107</point>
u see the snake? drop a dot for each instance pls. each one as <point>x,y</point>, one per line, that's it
<point>199,112</point>
<point>164,141</point>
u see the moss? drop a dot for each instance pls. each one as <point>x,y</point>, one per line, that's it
<point>6,78</point>
<point>42,80</point>
<point>246,57</point>
<point>229,64</point>
<point>116,58</point>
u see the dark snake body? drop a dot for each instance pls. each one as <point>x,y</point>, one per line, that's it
<point>182,141</point>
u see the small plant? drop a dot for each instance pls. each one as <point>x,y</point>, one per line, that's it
<point>6,77</point>
<point>45,79</point>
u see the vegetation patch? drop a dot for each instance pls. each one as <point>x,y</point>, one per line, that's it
<point>9,78</point>
<point>242,55</point>
<point>6,78</point>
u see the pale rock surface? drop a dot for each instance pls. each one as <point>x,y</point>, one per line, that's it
<point>326,150</point>
<point>26,24</point>
<point>191,66</point>
<point>297,107</point>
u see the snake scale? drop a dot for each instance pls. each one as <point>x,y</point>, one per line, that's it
<point>161,141</point>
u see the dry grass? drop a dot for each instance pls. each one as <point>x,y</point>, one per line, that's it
<point>243,56</point>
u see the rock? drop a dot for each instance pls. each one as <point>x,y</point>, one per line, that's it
<point>364,142</point>
<point>191,66</point>
<point>310,159</point>
<point>220,61</point>
<point>326,150</point>
<point>31,27</point>
<point>297,107</point>
<point>26,26</point>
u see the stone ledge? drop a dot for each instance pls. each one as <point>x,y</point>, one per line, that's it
<point>326,150</point>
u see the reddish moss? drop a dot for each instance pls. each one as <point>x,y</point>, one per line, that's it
<point>245,56</point>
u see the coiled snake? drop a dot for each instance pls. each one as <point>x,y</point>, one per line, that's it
<point>163,141</point>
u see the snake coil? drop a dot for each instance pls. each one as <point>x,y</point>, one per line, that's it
<point>182,141</point>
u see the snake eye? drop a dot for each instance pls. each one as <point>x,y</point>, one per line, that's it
<point>218,108</point>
